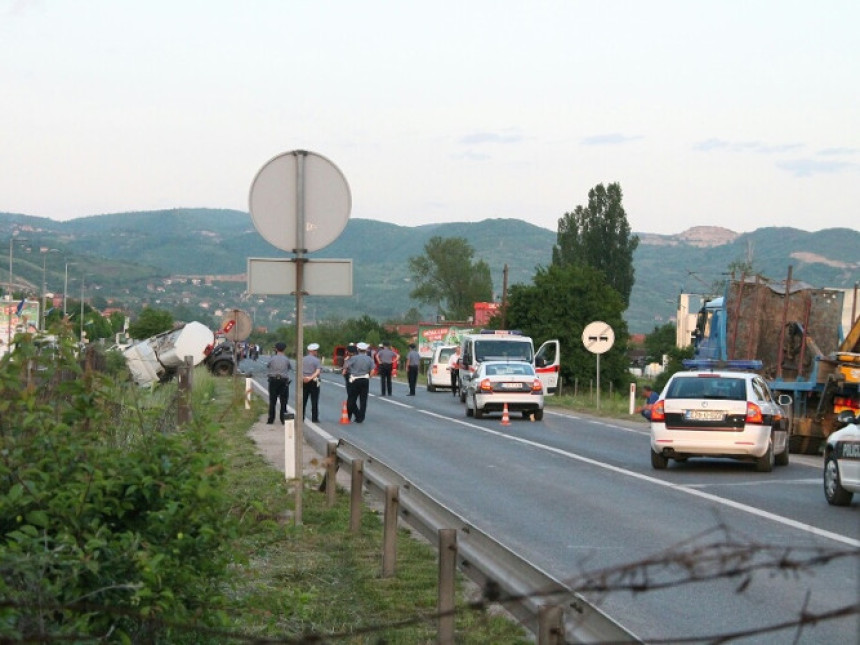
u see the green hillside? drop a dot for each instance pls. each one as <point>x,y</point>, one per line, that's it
<point>132,259</point>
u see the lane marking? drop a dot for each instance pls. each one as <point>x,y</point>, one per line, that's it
<point>744,508</point>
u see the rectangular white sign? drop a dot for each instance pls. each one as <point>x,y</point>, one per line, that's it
<point>321,277</point>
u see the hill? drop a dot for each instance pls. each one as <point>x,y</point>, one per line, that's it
<point>194,260</point>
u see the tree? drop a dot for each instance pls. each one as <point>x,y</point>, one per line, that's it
<point>150,322</point>
<point>599,236</point>
<point>447,278</point>
<point>660,341</point>
<point>559,304</point>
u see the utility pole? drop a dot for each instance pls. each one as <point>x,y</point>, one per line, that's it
<point>505,297</point>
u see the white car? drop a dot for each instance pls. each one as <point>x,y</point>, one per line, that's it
<point>842,461</point>
<point>438,372</point>
<point>724,413</point>
<point>496,383</point>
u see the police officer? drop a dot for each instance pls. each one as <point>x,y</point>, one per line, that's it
<point>358,368</point>
<point>385,357</point>
<point>311,370</point>
<point>413,360</point>
<point>278,372</point>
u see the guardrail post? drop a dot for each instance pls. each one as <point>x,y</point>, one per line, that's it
<point>183,410</point>
<point>331,473</point>
<point>447,569</point>
<point>550,625</point>
<point>389,534</point>
<point>355,495</point>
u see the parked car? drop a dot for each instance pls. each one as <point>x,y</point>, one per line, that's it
<point>438,372</point>
<point>842,461</point>
<point>719,413</point>
<point>496,383</point>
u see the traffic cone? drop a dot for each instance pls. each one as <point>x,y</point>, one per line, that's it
<point>506,420</point>
<point>344,415</point>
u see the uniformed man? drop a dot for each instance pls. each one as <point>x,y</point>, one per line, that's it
<point>358,369</point>
<point>413,361</point>
<point>385,357</point>
<point>311,370</point>
<point>278,372</point>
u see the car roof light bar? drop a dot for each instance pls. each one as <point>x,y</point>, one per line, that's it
<point>501,332</point>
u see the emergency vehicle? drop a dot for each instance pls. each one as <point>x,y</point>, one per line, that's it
<point>509,345</point>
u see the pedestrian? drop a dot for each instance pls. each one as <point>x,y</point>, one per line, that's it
<point>413,360</point>
<point>385,357</point>
<point>311,370</point>
<point>454,368</point>
<point>650,399</point>
<point>278,372</point>
<point>358,367</point>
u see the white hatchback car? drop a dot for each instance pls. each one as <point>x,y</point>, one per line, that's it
<point>724,413</point>
<point>842,462</point>
<point>499,383</point>
<point>438,372</point>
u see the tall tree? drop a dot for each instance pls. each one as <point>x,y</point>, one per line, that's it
<point>559,304</point>
<point>599,236</point>
<point>447,278</point>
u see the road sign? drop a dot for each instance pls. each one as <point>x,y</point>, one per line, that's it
<point>598,337</point>
<point>277,277</point>
<point>300,187</point>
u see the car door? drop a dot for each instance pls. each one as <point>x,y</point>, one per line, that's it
<point>849,457</point>
<point>548,365</point>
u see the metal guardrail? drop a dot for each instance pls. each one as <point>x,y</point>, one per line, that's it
<point>524,588</point>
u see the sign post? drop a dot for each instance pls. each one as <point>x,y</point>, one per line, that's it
<point>299,202</point>
<point>598,338</point>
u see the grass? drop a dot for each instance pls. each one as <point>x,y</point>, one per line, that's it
<point>318,582</point>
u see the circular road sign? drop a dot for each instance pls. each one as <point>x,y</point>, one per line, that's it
<point>236,325</point>
<point>598,337</point>
<point>275,207</point>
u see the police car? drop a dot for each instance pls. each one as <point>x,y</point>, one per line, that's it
<point>842,461</point>
<point>719,409</point>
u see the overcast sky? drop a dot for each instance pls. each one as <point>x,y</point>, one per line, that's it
<point>734,113</point>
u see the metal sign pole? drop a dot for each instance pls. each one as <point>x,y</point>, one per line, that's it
<point>299,252</point>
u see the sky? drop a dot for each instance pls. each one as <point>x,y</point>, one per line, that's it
<point>735,113</point>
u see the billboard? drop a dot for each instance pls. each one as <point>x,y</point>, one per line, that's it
<point>17,316</point>
<point>431,334</point>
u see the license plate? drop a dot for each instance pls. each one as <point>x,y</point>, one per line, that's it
<point>704,415</point>
<point>511,386</point>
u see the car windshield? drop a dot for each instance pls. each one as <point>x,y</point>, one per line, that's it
<point>445,354</point>
<point>707,387</point>
<point>486,350</point>
<point>510,369</point>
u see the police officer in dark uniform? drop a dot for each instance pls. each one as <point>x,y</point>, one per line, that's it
<point>278,372</point>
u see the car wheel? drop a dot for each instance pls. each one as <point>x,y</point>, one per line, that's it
<point>764,464</point>
<point>538,415</point>
<point>833,491</point>
<point>658,461</point>
<point>431,388</point>
<point>479,413</point>
<point>782,458</point>
<point>222,368</point>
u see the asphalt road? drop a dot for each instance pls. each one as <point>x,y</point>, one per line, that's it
<point>576,495</point>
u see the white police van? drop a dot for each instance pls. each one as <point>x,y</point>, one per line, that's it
<point>509,345</point>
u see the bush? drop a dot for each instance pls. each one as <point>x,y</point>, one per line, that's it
<point>113,521</point>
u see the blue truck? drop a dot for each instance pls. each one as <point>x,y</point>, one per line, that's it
<point>796,331</point>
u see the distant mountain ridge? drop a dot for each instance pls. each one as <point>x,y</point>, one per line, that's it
<point>140,257</point>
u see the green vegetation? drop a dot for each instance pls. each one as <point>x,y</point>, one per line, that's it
<point>116,525</point>
<point>447,278</point>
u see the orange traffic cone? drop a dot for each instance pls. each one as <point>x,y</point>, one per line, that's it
<point>506,420</point>
<point>344,415</point>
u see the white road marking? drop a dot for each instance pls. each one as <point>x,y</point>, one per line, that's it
<point>786,521</point>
